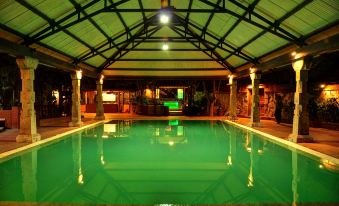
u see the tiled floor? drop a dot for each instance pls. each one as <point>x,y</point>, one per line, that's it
<point>326,141</point>
<point>47,128</point>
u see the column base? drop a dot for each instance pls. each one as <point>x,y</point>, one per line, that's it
<point>101,117</point>
<point>298,138</point>
<point>28,138</point>
<point>75,124</point>
<point>255,124</point>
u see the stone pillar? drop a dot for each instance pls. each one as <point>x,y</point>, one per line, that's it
<point>255,110</point>
<point>100,114</point>
<point>28,127</point>
<point>300,129</point>
<point>233,98</point>
<point>76,107</point>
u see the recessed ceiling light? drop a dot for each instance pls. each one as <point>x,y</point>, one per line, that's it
<point>165,47</point>
<point>164,19</point>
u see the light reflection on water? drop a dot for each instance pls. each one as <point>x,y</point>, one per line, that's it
<point>167,162</point>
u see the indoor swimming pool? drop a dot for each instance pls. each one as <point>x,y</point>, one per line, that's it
<point>167,162</point>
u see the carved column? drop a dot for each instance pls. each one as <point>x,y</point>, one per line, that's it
<point>100,114</point>
<point>255,110</point>
<point>300,129</point>
<point>233,98</point>
<point>76,106</point>
<point>28,127</point>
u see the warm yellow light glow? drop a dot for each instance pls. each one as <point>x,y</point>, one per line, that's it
<point>298,65</point>
<point>322,86</point>
<point>79,74</point>
<point>253,70</point>
<point>229,160</point>
<point>321,166</point>
<point>260,151</point>
<point>109,97</point>
<point>157,93</point>
<point>294,53</point>
<point>110,128</point>
<point>249,149</point>
<point>250,179</point>
<point>170,143</point>
<point>101,79</point>
<point>165,47</point>
<point>55,93</point>
<point>164,19</point>
<point>80,177</point>
<point>230,79</point>
<point>102,159</point>
<point>148,93</point>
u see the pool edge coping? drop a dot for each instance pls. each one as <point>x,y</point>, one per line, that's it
<point>12,152</point>
<point>320,155</point>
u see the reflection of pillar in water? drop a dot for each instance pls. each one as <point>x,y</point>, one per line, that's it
<point>250,150</point>
<point>76,146</point>
<point>231,140</point>
<point>29,170</point>
<point>100,142</point>
<point>295,177</point>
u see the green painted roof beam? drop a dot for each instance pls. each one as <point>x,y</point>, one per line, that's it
<point>91,54</point>
<point>120,53</point>
<point>78,7</point>
<point>142,30</point>
<point>248,10</point>
<point>217,56</point>
<point>121,19</point>
<point>51,21</point>
<point>288,14</point>
<point>328,44</point>
<point>283,34</point>
<point>238,53</point>
<point>204,29</point>
<point>20,50</point>
<point>53,29</point>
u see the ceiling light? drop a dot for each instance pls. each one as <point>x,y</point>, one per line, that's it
<point>294,53</point>
<point>165,47</point>
<point>164,19</point>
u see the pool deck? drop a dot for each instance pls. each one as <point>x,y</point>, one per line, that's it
<point>325,141</point>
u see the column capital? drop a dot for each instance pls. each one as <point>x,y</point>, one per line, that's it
<point>302,63</point>
<point>255,76</point>
<point>26,63</point>
<point>100,79</point>
<point>231,79</point>
<point>76,75</point>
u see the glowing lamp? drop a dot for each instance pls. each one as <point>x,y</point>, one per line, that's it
<point>165,47</point>
<point>79,74</point>
<point>164,19</point>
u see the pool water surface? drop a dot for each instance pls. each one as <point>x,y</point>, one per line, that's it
<point>167,162</point>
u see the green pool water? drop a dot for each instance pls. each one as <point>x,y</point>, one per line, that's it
<point>158,162</point>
